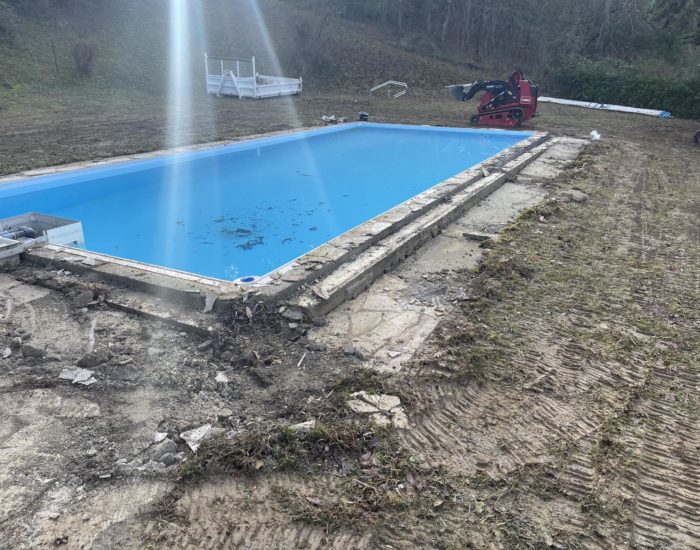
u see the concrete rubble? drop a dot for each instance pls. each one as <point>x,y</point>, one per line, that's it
<point>194,438</point>
<point>78,376</point>
<point>384,410</point>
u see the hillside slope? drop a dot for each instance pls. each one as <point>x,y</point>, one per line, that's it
<point>132,40</point>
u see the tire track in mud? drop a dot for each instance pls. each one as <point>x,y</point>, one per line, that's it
<point>571,437</point>
<point>666,488</point>
<point>247,513</point>
<point>493,429</point>
<point>591,380</point>
<point>665,485</point>
<point>658,436</point>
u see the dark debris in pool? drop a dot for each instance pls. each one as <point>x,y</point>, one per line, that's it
<point>251,243</point>
<point>238,232</point>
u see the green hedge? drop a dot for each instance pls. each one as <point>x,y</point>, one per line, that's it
<point>625,87</point>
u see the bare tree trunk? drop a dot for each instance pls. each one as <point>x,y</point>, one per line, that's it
<point>466,23</point>
<point>479,35</point>
<point>604,36</point>
<point>446,22</point>
<point>491,33</point>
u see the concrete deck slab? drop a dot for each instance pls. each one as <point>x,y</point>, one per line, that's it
<point>451,250</point>
<point>19,293</point>
<point>391,319</point>
<point>501,208</point>
<point>354,276</point>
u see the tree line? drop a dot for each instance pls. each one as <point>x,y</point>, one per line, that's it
<point>536,31</point>
<point>532,31</point>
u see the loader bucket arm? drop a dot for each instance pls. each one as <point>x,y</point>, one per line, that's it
<point>464,92</point>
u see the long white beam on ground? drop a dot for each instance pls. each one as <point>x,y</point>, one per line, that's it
<point>606,107</point>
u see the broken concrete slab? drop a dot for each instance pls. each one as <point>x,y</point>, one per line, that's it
<point>387,321</point>
<point>381,322</point>
<point>194,438</point>
<point>78,376</point>
<point>294,315</point>
<point>380,401</point>
<point>361,407</point>
<point>399,418</point>
<point>380,419</point>
<point>354,276</point>
<point>20,293</point>
<point>450,253</point>
<point>384,410</point>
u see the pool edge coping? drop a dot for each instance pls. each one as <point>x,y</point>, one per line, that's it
<point>148,155</point>
<point>282,283</point>
<point>351,278</point>
<point>60,169</point>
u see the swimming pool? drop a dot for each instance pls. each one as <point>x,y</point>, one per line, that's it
<point>250,207</point>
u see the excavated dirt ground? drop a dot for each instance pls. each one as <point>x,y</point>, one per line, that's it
<point>555,405</point>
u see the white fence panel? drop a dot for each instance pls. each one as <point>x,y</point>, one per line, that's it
<point>238,78</point>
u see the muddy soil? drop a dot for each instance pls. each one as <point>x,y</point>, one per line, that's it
<point>555,407</point>
<point>80,456</point>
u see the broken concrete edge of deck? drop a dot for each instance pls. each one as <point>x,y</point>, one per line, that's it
<point>355,276</point>
<point>320,262</point>
<point>320,280</point>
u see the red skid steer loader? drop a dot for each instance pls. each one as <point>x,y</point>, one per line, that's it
<point>505,103</point>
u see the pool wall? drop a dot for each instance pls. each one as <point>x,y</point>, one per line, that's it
<point>324,277</point>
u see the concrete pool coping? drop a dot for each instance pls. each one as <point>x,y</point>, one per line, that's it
<point>391,235</point>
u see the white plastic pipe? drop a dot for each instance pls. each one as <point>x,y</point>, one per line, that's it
<point>606,107</point>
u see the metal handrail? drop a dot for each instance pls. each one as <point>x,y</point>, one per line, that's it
<point>221,57</point>
<point>222,71</point>
<point>391,83</point>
